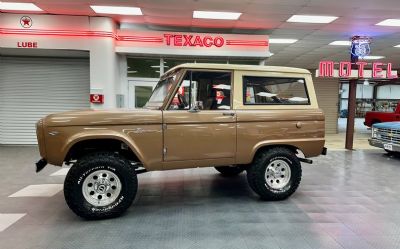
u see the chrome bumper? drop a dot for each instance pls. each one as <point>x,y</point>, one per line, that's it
<point>380,144</point>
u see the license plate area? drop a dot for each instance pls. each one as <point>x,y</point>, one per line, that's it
<point>388,147</point>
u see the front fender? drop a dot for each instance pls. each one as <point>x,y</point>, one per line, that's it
<point>59,141</point>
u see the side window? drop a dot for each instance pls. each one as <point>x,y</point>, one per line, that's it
<point>274,91</point>
<point>206,90</point>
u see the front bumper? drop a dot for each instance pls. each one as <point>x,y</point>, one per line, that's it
<point>40,165</point>
<point>381,144</point>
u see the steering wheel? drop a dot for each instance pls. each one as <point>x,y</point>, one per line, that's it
<point>182,101</point>
<point>277,100</point>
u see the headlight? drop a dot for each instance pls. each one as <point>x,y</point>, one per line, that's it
<point>374,132</point>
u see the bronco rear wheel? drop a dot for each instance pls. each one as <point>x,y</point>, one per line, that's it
<point>100,185</point>
<point>275,174</point>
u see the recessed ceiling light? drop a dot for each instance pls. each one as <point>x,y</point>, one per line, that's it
<point>340,43</point>
<point>117,10</point>
<point>373,57</point>
<point>312,19</point>
<point>282,41</point>
<point>216,15</point>
<point>389,22</point>
<point>19,6</point>
<point>397,46</point>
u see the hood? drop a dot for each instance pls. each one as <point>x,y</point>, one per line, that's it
<point>387,125</point>
<point>104,117</point>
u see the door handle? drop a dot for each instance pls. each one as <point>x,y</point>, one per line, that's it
<point>228,114</point>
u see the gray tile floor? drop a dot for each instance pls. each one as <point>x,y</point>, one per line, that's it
<point>346,200</point>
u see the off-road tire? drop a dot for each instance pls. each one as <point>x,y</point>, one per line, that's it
<point>257,179</point>
<point>100,161</point>
<point>229,170</point>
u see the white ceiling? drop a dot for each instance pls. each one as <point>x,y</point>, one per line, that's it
<point>356,17</point>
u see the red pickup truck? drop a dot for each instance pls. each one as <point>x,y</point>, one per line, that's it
<point>379,117</point>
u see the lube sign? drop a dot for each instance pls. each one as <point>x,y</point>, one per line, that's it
<point>193,40</point>
<point>343,69</point>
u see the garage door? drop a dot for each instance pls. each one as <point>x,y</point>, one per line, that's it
<point>31,88</point>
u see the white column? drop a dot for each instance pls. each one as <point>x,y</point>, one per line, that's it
<point>104,72</point>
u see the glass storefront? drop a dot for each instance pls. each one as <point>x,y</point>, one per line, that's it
<point>144,67</point>
<point>144,72</point>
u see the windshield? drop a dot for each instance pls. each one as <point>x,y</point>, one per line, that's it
<point>162,90</point>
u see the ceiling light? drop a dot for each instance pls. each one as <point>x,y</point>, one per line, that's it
<point>397,46</point>
<point>312,19</point>
<point>216,15</point>
<point>159,66</point>
<point>282,41</point>
<point>117,10</point>
<point>389,22</point>
<point>366,82</point>
<point>19,6</point>
<point>340,43</point>
<point>372,57</point>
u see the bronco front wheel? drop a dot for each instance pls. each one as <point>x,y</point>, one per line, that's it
<point>100,185</point>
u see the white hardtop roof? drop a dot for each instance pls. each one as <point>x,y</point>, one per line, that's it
<point>242,67</point>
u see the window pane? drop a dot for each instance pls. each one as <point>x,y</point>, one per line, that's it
<point>274,91</point>
<point>206,90</point>
<point>142,95</point>
<point>170,63</point>
<point>143,67</point>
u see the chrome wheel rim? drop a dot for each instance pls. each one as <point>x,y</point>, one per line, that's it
<point>101,188</point>
<point>277,174</point>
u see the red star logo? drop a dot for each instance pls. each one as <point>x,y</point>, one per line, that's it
<point>26,22</point>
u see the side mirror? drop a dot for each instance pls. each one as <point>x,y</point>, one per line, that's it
<point>198,105</point>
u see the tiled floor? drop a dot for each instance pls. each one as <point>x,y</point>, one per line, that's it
<point>347,200</point>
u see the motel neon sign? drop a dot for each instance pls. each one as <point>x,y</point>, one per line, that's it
<point>344,69</point>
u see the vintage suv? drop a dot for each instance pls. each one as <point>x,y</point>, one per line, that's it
<point>386,136</point>
<point>261,119</point>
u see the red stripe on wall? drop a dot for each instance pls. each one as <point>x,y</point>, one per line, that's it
<point>57,32</point>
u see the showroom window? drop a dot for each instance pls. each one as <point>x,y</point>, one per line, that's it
<point>204,90</point>
<point>274,91</point>
<point>143,67</point>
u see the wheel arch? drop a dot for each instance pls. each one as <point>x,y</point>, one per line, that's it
<point>82,145</point>
<point>261,149</point>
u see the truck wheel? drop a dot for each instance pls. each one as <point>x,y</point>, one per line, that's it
<point>229,170</point>
<point>275,174</point>
<point>100,185</point>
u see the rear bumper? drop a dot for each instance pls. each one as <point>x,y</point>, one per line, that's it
<point>380,144</point>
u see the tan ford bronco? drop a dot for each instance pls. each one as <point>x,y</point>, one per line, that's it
<point>260,119</point>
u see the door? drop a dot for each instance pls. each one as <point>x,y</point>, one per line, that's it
<point>199,122</point>
<point>140,91</point>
